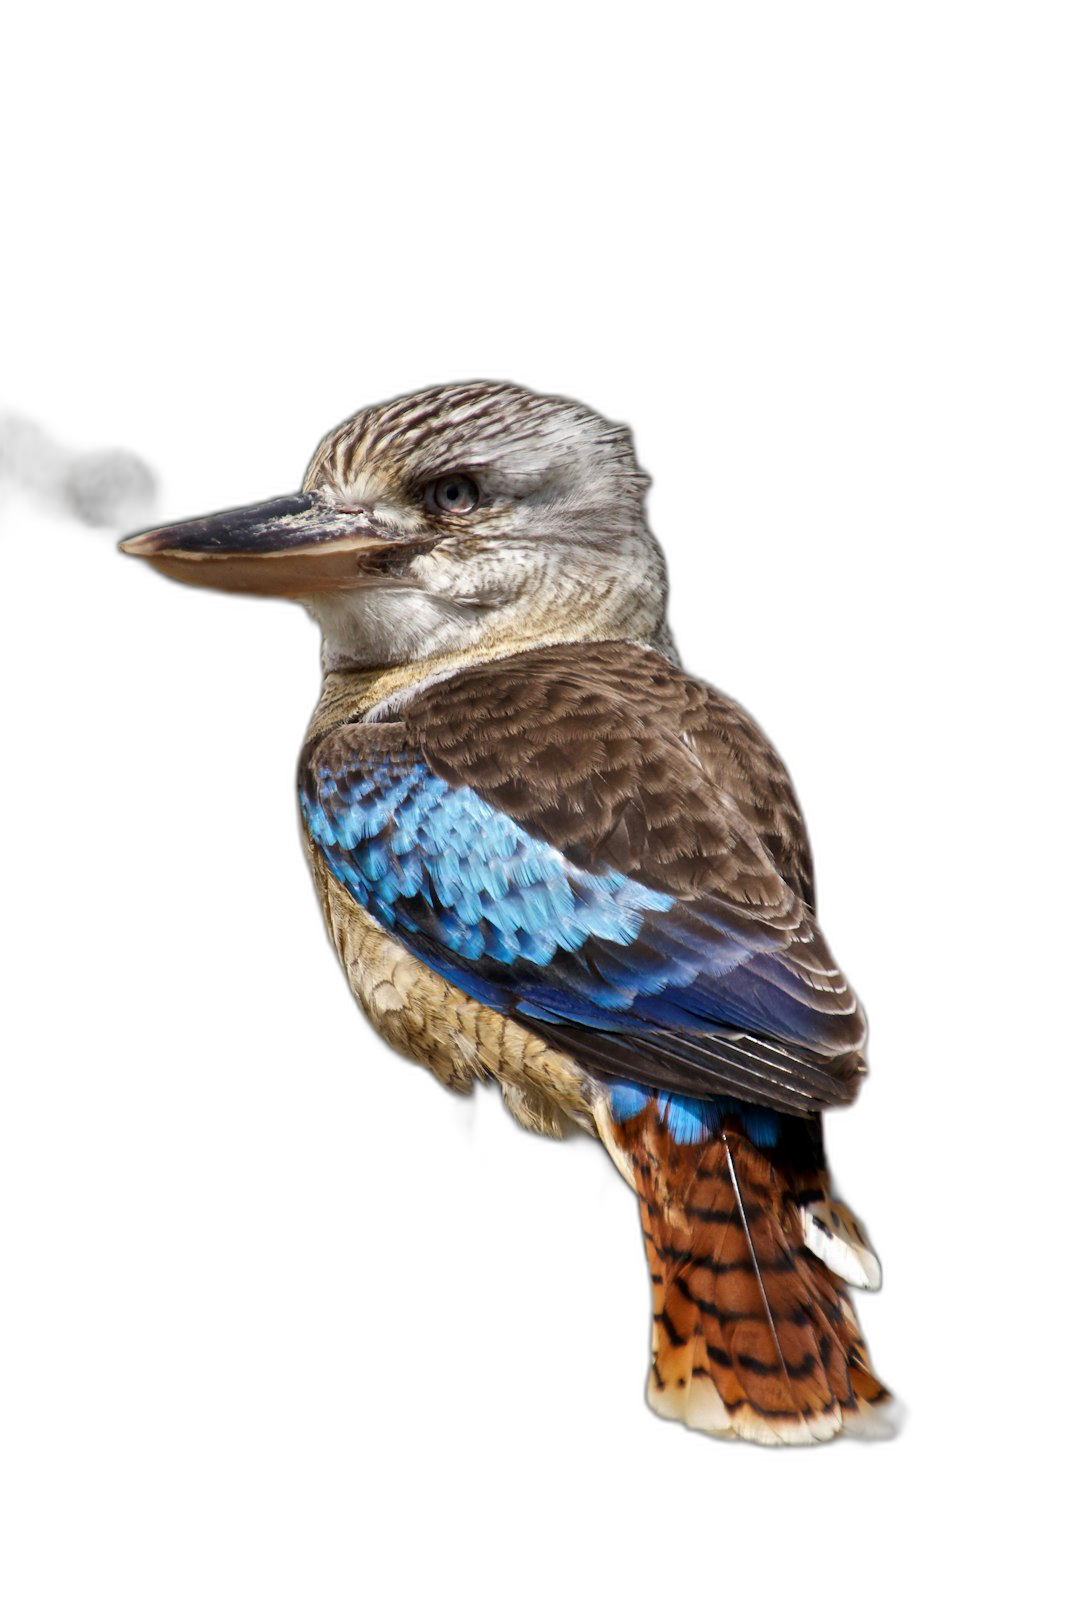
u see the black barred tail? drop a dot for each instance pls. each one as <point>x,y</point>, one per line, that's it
<point>753,1335</point>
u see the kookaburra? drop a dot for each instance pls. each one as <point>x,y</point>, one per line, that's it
<point>548,857</point>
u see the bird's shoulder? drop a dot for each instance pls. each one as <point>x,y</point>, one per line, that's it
<point>617,757</point>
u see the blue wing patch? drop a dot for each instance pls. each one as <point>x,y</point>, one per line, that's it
<point>439,863</point>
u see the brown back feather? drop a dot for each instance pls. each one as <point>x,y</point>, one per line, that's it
<point>616,756</point>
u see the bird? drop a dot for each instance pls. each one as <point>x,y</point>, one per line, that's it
<point>550,859</point>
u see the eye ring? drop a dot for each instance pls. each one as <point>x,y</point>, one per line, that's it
<point>454,493</point>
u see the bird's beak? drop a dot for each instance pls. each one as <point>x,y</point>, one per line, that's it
<point>290,547</point>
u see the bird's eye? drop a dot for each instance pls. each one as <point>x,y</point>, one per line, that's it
<point>457,493</point>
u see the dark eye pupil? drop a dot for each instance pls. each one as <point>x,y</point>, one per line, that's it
<point>453,495</point>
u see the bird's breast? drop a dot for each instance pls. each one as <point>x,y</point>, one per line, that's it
<point>424,1017</point>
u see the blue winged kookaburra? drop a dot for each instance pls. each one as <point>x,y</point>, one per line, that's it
<point>548,856</point>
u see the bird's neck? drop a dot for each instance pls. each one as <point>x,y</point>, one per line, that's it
<point>351,695</point>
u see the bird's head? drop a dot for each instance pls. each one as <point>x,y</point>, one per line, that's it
<point>468,517</point>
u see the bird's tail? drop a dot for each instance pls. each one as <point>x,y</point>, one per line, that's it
<point>753,1334</point>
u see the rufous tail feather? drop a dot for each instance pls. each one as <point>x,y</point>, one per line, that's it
<point>753,1334</point>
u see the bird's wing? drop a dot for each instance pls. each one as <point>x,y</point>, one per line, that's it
<point>609,852</point>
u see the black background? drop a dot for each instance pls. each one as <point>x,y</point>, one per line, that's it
<point>267,1250</point>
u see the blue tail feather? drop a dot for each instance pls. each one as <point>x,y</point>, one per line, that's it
<point>692,1121</point>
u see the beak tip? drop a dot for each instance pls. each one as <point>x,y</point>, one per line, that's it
<point>140,546</point>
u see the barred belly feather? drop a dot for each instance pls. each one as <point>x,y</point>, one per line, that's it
<point>428,1020</point>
